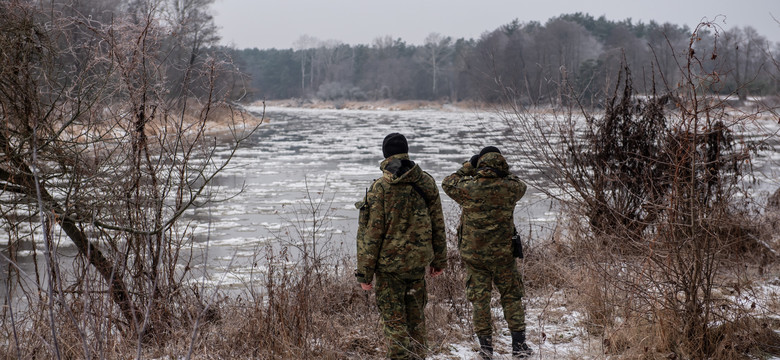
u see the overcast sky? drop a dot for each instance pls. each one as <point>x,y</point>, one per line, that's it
<point>279,23</point>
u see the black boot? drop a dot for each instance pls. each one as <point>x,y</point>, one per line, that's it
<point>520,349</point>
<point>485,347</point>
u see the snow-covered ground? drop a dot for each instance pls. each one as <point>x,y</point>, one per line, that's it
<point>556,329</point>
<point>553,331</point>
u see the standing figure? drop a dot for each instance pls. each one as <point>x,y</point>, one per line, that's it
<point>401,231</point>
<point>487,193</point>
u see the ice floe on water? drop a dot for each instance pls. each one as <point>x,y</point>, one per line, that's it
<point>308,161</point>
<point>338,152</point>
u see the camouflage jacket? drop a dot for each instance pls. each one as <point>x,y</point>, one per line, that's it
<point>487,196</point>
<point>401,224</point>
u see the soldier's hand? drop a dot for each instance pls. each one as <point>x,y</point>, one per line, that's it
<point>366,286</point>
<point>436,272</point>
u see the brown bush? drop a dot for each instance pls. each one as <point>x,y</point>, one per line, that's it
<point>657,217</point>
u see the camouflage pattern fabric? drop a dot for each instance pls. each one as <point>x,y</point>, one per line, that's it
<point>401,304</point>
<point>487,196</point>
<point>399,231</point>
<point>487,199</point>
<point>478,290</point>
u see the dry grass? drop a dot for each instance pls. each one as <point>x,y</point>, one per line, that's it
<point>639,323</point>
<point>331,318</point>
<point>632,323</point>
<point>323,314</point>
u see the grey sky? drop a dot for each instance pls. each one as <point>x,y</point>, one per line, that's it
<point>279,23</point>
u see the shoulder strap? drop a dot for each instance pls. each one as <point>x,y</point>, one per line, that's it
<point>422,194</point>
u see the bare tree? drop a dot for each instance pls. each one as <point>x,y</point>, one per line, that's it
<point>565,45</point>
<point>333,58</point>
<point>101,148</point>
<point>657,183</point>
<point>743,60</point>
<point>437,50</point>
<point>305,46</point>
<point>195,30</point>
<point>667,44</point>
<point>391,69</point>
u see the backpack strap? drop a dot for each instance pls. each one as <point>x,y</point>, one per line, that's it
<point>422,194</point>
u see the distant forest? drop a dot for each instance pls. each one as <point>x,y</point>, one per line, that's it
<point>578,52</point>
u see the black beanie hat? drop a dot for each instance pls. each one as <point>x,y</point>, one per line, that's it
<point>393,144</point>
<point>489,149</point>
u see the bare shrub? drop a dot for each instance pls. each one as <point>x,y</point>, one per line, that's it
<point>660,219</point>
<point>97,150</point>
<point>329,318</point>
<point>547,263</point>
<point>310,306</point>
<point>448,311</point>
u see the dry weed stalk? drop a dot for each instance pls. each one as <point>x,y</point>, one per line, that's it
<point>97,151</point>
<point>310,306</point>
<point>662,221</point>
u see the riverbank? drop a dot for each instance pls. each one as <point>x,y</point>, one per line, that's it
<point>391,105</point>
<point>751,104</point>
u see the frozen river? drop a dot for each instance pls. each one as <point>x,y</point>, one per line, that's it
<point>306,165</point>
<point>325,159</point>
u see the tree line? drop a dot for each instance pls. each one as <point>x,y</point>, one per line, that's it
<point>539,61</point>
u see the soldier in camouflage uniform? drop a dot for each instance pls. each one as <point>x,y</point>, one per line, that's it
<point>401,231</point>
<point>487,193</point>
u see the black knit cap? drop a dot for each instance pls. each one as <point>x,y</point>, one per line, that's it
<point>393,144</point>
<point>489,149</point>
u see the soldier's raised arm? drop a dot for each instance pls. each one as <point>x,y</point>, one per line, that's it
<point>452,184</point>
<point>518,187</point>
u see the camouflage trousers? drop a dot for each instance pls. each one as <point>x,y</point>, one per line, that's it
<point>479,285</point>
<point>401,302</point>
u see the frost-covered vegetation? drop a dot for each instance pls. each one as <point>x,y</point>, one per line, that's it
<point>650,228</point>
